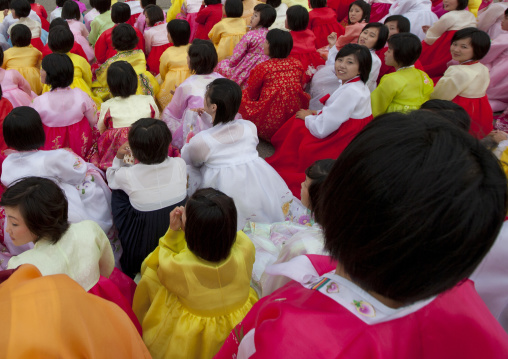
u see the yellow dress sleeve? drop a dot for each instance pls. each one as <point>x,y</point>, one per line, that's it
<point>383,95</point>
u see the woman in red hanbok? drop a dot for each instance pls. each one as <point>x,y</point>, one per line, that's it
<point>275,87</point>
<point>323,21</point>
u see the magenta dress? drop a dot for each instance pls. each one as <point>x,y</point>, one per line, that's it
<point>15,88</point>
<point>247,54</point>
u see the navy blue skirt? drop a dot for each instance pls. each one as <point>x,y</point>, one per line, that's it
<point>138,231</point>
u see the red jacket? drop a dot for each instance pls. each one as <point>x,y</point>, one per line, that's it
<point>104,46</point>
<point>41,11</point>
<point>206,18</point>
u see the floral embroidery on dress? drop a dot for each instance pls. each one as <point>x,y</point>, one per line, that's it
<point>56,143</point>
<point>332,288</point>
<point>364,308</point>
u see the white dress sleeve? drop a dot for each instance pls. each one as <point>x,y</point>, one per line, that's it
<point>65,166</point>
<point>196,152</point>
<point>117,175</point>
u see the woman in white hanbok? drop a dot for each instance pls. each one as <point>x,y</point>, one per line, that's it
<point>418,12</point>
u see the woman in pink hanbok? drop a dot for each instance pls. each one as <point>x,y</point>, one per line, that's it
<point>14,86</point>
<point>68,115</point>
<point>70,12</point>
<point>418,12</point>
<point>490,19</point>
<point>249,51</point>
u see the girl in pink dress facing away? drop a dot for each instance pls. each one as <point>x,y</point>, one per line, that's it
<point>70,12</point>
<point>466,83</point>
<point>323,21</point>
<point>14,86</point>
<point>68,115</point>
<point>190,9</point>
<point>249,51</point>
<point>395,286</point>
<point>156,37</point>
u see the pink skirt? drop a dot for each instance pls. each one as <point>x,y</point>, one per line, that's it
<point>79,137</point>
<point>378,11</point>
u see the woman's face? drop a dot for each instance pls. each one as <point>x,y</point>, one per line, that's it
<point>368,37</point>
<point>304,193</point>
<point>355,14</point>
<point>347,67</point>
<point>392,28</point>
<point>389,59</point>
<point>210,109</point>
<point>266,48</point>
<point>254,20</point>
<point>462,50</point>
<point>450,5</point>
<point>16,227</point>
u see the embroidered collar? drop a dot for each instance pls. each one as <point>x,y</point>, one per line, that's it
<point>354,79</point>
<point>406,67</point>
<point>469,62</point>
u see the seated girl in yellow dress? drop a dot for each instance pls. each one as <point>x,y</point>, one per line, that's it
<point>229,31</point>
<point>24,57</point>
<point>124,40</point>
<point>173,68</point>
<point>195,286</point>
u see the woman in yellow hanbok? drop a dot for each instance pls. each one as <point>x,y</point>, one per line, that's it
<point>124,41</point>
<point>24,57</point>
<point>173,62</point>
<point>195,286</point>
<point>229,31</point>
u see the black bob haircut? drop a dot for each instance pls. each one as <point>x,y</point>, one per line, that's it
<point>462,4</point>
<point>233,8</point>
<point>363,57</point>
<point>70,11</point>
<point>365,8</point>
<point>274,3</point>
<point>42,204</point>
<point>227,96</point>
<point>382,36</point>
<point>1,56</point>
<point>60,39</point>
<point>480,41</point>
<point>449,111</point>
<point>297,18</point>
<point>267,15</point>
<point>202,57</point>
<point>210,229</point>
<point>315,4</point>
<point>120,13</point>
<point>60,3</point>
<point>180,31</point>
<point>412,206</point>
<point>212,2</point>
<point>124,37</point>
<point>403,24</point>
<point>4,4</point>
<point>21,35</point>
<point>406,47</point>
<point>23,129</point>
<point>21,8</point>
<point>149,140</point>
<point>101,5</point>
<point>154,14</point>
<point>317,172</point>
<point>280,43</point>
<point>58,22</point>
<point>122,79</point>
<point>145,3</point>
<point>59,70</point>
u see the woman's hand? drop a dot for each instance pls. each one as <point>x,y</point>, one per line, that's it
<point>175,218</point>
<point>499,136</point>
<point>332,39</point>
<point>304,113</point>
<point>200,111</point>
<point>425,28</point>
<point>123,150</point>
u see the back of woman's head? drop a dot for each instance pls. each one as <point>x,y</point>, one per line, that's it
<point>382,34</point>
<point>4,5</point>
<point>406,47</point>
<point>60,39</point>
<point>202,57</point>
<point>233,8</point>
<point>21,35</point>
<point>267,15</point>
<point>363,57</point>
<point>280,43</point>
<point>274,3</point>
<point>210,227</point>
<point>149,140</point>
<point>101,5</point>
<point>462,4</point>
<point>21,8</point>
<point>297,18</point>
<point>59,70</point>
<point>365,9</point>
<point>154,14</point>
<point>180,31</point>
<point>124,37</point>
<point>61,3</point>
<point>122,79</point>
<point>403,24</point>
<point>23,130</point>
<point>480,41</point>
<point>315,4</point>
<point>227,96</point>
<point>317,172</point>
<point>70,11</point>
<point>212,2</point>
<point>42,204</point>
<point>412,206</point>
<point>120,13</point>
<point>449,111</point>
<point>1,56</point>
<point>58,22</point>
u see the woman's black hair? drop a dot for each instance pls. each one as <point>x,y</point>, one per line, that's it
<point>122,79</point>
<point>403,24</point>
<point>297,18</point>
<point>60,39</point>
<point>280,43</point>
<point>363,57</point>
<point>42,204</point>
<point>154,14</point>
<point>145,3</point>
<point>227,96</point>
<point>449,111</point>
<point>102,5</point>
<point>267,15</point>
<point>1,56</point>
<point>365,8</point>
<point>462,4</point>
<point>506,12</point>
<point>315,4</point>
<point>124,37</point>
<point>317,172</point>
<point>58,22</point>
<point>60,3</point>
<point>382,34</point>
<point>202,57</point>
<point>210,228</point>
<point>412,206</point>
<point>480,41</point>
<point>120,12</point>
<point>5,4</point>
<point>212,2</point>
<point>23,130</point>
<point>59,70</point>
<point>406,47</point>
<point>21,36</point>
<point>233,8</point>
<point>274,3</point>
<point>149,140</point>
<point>21,8</point>
<point>180,31</point>
<point>70,11</point>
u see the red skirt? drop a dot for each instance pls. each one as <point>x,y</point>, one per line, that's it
<point>435,57</point>
<point>79,137</point>
<point>378,11</point>
<point>153,59</point>
<point>480,112</point>
<point>322,31</point>
<point>296,148</point>
<point>37,43</point>
<point>119,289</point>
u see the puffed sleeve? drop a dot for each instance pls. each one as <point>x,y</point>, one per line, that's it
<point>383,95</point>
<point>438,28</point>
<point>66,166</point>
<point>118,176</point>
<point>453,82</point>
<point>255,81</point>
<point>101,48</point>
<point>241,49</point>
<point>215,33</point>
<point>196,152</point>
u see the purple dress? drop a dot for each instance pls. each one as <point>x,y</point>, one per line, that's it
<point>248,53</point>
